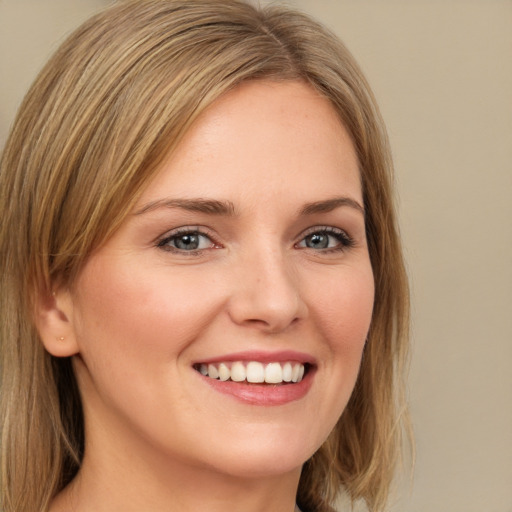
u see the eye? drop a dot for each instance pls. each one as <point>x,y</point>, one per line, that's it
<point>186,240</point>
<point>326,239</point>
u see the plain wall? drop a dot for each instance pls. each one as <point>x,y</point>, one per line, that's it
<point>442,73</point>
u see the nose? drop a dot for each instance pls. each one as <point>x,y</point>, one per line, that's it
<point>266,293</point>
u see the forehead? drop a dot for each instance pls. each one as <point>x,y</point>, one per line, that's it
<point>264,137</point>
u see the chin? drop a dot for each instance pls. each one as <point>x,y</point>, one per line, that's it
<point>265,456</point>
<point>260,466</point>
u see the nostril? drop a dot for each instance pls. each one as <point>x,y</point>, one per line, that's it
<point>274,325</point>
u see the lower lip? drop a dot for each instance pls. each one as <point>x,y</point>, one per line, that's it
<point>263,394</point>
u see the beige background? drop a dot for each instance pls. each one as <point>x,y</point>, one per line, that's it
<point>442,72</point>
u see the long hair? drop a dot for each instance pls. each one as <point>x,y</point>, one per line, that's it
<point>114,100</point>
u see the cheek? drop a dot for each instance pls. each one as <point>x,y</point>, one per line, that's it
<point>124,309</point>
<point>343,311</point>
<point>341,307</point>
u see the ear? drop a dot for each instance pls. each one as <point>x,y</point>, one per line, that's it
<point>53,319</point>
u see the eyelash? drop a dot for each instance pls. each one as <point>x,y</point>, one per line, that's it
<point>344,240</point>
<point>182,232</point>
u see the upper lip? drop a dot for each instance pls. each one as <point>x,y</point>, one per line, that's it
<point>281,356</point>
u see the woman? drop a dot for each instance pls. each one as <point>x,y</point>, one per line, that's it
<point>203,297</point>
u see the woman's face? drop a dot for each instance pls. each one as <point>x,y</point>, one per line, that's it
<point>246,258</point>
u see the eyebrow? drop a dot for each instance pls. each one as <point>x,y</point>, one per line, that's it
<point>227,208</point>
<point>209,206</point>
<point>329,205</point>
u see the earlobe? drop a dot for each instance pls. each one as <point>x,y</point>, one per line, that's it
<point>54,322</point>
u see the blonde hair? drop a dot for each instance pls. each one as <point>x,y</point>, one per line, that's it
<point>112,102</point>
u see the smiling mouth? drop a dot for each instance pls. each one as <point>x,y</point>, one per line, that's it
<point>254,372</point>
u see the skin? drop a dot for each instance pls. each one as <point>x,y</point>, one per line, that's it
<point>142,312</point>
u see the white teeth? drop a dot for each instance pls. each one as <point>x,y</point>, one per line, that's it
<point>238,373</point>
<point>254,372</point>
<point>296,372</point>
<point>287,372</point>
<point>224,373</point>
<point>273,373</point>
<point>213,372</point>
